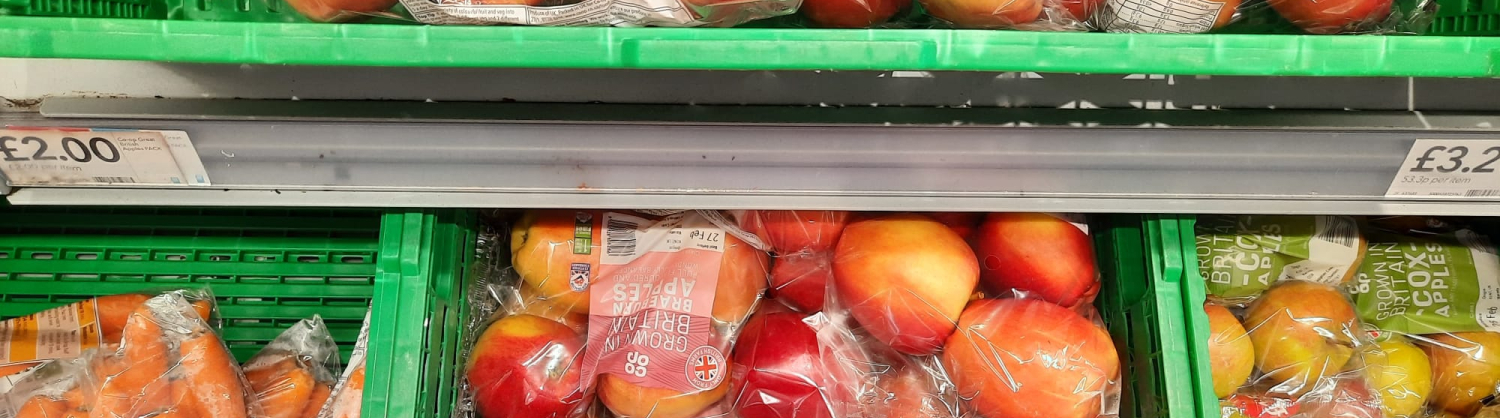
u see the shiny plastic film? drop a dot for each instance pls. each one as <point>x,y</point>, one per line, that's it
<point>169,363</point>
<point>1407,331</point>
<point>294,375</point>
<point>624,313</point>
<point>903,330</point>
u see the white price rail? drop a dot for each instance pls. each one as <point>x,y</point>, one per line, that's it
<point>84,157</point>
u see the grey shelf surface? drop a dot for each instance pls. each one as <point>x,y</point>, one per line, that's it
<point>395,154</point>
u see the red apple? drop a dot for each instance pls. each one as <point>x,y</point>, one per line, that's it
<point>779,372</point>
<point>1027,358</point>
<point>339,10</point>
<point>526,366</point>
<point>851,13</point>
<point>1351,398</point>
<point>963,223</point>
<point>1082,10</point>
<point>909,392</point>
<point>1040,254</point>
<point>793,231</point>
<point>904,278</point>
<point>983,14</point>
<point>1332,16</point>
<point>801,280</point>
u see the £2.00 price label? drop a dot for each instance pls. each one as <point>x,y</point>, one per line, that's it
<point>53,156</point>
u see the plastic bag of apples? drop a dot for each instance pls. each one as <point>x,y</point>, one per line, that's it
<point>1324,17</point>
<point>883,318</point>
<point>627,312</point>
<point>1402,333</point>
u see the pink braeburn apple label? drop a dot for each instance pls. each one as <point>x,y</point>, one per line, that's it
<point>650,320</point>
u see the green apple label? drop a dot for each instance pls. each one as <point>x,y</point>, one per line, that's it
<point>1433,283</point>
<point>1242,256</point>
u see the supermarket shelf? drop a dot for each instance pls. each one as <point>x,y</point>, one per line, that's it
<point>688,200</point>
<point>746,49</point>
<point>393,154</point>
<point>44,78</point>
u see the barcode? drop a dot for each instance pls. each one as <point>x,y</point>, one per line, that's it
<point>1482,193</point>
<point>621,235</point>
<point>1341,231</point>
<point>114,179</point>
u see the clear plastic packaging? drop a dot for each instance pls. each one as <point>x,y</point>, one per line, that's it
<point>803,242</point>
<point>76,328</point>
<point>293,376</point>
<point>1017,357</point>
<point>1044,256</point>
<point>670,13</point>
<point>347,398</point>
<point>637,310</point>
<point>1025,15</point>
<point>169,363</point>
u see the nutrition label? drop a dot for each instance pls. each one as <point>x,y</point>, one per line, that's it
<point>1159,16</point>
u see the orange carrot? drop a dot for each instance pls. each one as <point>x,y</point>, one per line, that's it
<point>264,374</point>
<point>141,386</point>
<point>114,311</point>
<point>42,407</point>
<point>204,309</point>
<point>76,413</point>
<point>75,398</point>
<point>213,376</point>
<point>315,403</point>
<point>285,396</point>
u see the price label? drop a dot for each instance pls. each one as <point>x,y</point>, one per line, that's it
<point>51,156</point>
<point>1449,169</point>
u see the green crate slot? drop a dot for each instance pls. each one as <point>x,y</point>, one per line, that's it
<point>1194,294</point>
<point>267,269</point>
<point>1142,300</point>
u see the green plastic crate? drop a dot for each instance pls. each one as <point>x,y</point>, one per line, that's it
<point>1466,17</point>
<point>1142,300</point>
<point>268,269</point>
<point>1195,292</point>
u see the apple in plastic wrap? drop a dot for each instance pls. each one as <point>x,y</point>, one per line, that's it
<point>1231,357</point>
<point>1332,16</point>
<point>628,400</point>
<point>1028,358</point>
<point>851,13</point>
<point>339,10</point>
<point>985,14</point>
<point>794,231</point>
<point>545,249</point>
<point>1402,374</point>
<point>910,392</point>
<point>962,223</point>
<point>1039,254</point>
<point>1465,369</point>
<point>1082,10</point>
<point>1351,397</point>
<point>905,278</point>
<point>801,280</point>
<point>1302,332</point>
<point>526,366</point>
<point>780,372</point>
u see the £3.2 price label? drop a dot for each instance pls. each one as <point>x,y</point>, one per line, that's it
<point>1448,168</point>
<point>47,156</point>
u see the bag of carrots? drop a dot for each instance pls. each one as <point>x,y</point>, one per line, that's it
<point>294,374</point>
<point>68,331</point>
<point>349,394</point>
<point>169,364</point>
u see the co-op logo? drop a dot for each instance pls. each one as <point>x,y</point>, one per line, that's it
<point>705,367</point>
